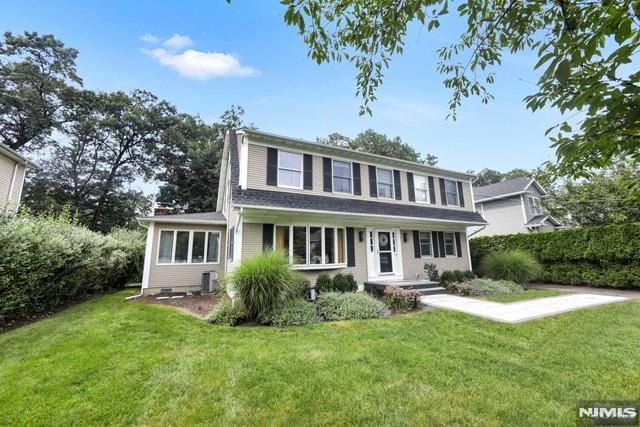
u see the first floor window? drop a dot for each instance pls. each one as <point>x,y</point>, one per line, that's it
<point>451,190</point>
<point>425,244</point>
<point>299,245</point>
<point>449,244</point>
<point>315,245</point>
<point>282,239</point>
<point>312,245</point>
<point>230,243</point>
<point>289,169</point>
<point>421,187</point>
<point>385,183</point>
<point>341,246</point>
<point>329,245</point>
<point>188,247</point>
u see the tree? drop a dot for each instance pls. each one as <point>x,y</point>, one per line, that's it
<point>489,176</point>
<point>373,142</point>
<point>189,161</point>
<point>35,72</point>
<point>586,46</point>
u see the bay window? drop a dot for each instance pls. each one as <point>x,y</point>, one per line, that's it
<point>311,246</point>
<point>299,255</point>
<point>188,247</point>
<point>421,188</point>
<point>385,183</point>
<point>289,169</point>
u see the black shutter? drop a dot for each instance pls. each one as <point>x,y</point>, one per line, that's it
<point>412,190</point>
<point>308,172</point>
<point>416,244</point>
<point>396,184</point>
<point>357,187</point>
<point>373,182</point>
<point>326,174</point>
<point>432,191</point>
<point>443,192</point>
<point>267,237</point>
<point>272,166</point>
<point>443,253</point>
<point>434,244</point>
<point>351,250</point>
<point>460,194</point>
<point>458,248</point>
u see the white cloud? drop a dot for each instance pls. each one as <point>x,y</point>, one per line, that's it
<point>149,38</point>
<point>178,42</point>
<point>201,65</point>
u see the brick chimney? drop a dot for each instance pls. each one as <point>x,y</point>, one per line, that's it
<point>160,209</point>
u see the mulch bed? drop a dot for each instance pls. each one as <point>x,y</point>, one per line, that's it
<point>196,305</point>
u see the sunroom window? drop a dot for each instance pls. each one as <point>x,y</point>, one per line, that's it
<point>188,247</point>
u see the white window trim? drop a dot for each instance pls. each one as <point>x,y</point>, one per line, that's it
<point>333,176</point>
<point>457,192</point>
<point>190,248</point>
<point>430,242</point>
<point>455,246</point>
<point>393,184</point>
<point>426,179</point>
<point>307,265</point>
<point>301,171</point>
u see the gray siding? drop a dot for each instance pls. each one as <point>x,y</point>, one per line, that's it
<point>256,178</point>
<point>504,216</point>
<point>414,267</point>
<point>182,277</point>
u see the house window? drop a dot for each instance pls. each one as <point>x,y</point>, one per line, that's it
<point>385,183</point>
<point>449,244</point>
<point>451,191</point>
<point>189,247</point>
<point>230,243</point>
<point>425,244</point>
<point>341,177</point>
<point>289,169</point>
<point>324,245</point>
<point>421,185</point>
<point>534,206</point>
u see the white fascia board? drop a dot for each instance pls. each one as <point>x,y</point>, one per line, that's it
<point>502,196</point>
<point>183,221</point>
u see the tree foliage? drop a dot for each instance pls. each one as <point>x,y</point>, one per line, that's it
<point>373,142</point>
<point>35,73</point>
<point>585,51</point>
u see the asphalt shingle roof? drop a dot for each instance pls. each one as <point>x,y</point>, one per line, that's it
<point>510,186</point>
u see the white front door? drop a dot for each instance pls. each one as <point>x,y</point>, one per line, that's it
<point>384,254</point>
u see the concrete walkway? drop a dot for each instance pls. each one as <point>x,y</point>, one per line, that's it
<point>586,290</point>
<point>520,311</point>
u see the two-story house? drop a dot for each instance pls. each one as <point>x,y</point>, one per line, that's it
<point>513,206</point>
<point>13,169</point>
<point>329,209</point>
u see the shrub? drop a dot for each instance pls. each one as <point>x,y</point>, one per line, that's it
<point>294,312</point>
<point>514,265</point>
<point>597,256</point>
<point>448,277</point>
<point>431,271</point>
<point>469,275</point>
<point>400,300</point>
<point>264,281</point>
<point>301,288</point>
<point>344,283</point>
<point>344,306</point>
<point>460,288</point>
<point>459,275</point>
<point>49,261</point>
<point>323,283</point>
<point>486,287</point>
<point>227,313</point>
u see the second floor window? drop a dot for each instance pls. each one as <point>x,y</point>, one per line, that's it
<point>534,206</point>
<point>451,191</point>
<point>341,177</point>
<point>289,169</point>
<point>421,185</point>
<point>385,183</point>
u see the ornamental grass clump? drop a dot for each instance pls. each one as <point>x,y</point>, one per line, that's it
<point>264,281</point>
<point>513,265</point>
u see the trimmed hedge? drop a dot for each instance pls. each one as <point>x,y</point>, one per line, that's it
<point>604,256</point>
<point>46,262</point>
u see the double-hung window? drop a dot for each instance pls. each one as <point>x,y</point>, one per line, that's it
<point>421,188</point>
<point>426,249</point>
<point>534,206</point>
<point>449,244</point>
<point>342,177</point>
<point>189,247</point>
<point>451,192</point>
<point>385,183</point>
<point>289,169</point>
<point>311,245</point>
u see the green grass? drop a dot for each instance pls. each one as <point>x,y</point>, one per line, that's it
<point>111,362</point>
<point>528,294</point>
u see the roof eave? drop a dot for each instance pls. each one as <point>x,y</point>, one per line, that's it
<point>16,157</point>
<point>168,219</point>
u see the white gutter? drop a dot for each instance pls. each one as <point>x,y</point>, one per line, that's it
<point>181,221</point>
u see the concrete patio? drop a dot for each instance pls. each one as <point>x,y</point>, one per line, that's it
<point>521,311</point>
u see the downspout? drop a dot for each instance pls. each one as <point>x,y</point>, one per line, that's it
<point>141,292</point>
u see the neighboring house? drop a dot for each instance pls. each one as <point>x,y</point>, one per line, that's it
<point>328,208</point>
<point>511,207</point>
<point>13,169</point>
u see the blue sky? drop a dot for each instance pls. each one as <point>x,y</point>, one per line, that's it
<point>244,54</point>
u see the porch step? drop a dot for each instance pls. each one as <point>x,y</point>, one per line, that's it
<point>432,291</point>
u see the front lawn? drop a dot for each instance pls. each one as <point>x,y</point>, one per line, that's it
<point>111,362</point>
